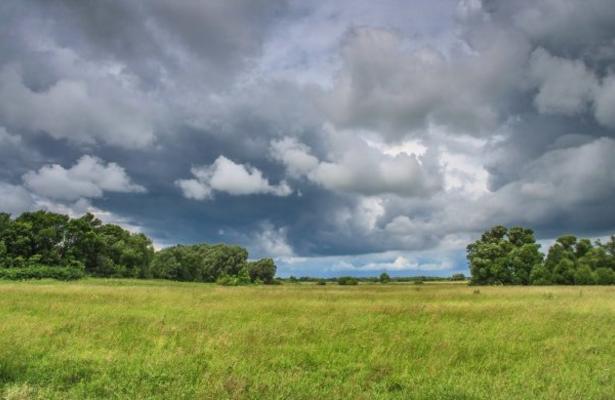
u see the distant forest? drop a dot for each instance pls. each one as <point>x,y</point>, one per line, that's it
<point>505,256</point>
<point>43,244</point>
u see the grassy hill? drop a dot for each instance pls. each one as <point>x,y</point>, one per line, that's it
<point>167,340</point>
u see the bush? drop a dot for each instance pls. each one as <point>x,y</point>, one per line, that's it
<point>458,277</point>
<point>241,279</point>
<point>347,280</point>
<point>384,278</point>
<point>69,273</point>
<point>605,276</point>
<point>418,282</point>
<point>321,282</point>
<point>583,276</point>
<point>263,270</point>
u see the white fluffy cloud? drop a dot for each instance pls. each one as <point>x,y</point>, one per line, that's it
<point>226,176</point>
<point>272,242</point>
<point>90,177</point>
<point>357,167</point>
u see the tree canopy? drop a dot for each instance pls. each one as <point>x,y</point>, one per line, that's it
<point>40,240</point>
<point>512,256</point>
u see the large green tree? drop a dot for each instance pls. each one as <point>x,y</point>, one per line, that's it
<point>262,270</point>
<point>504,256</point>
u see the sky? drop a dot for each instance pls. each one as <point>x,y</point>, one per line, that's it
<point>340,137</point>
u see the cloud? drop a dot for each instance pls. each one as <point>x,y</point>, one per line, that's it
<point>399,92</point>
<point>90,177</point>
<point>226,176</point>
<point>79,110</point>
<point>605,102</point>
<point>271,242</point>
<point>357,167</point>
<point>564,86</point>
<point>294,155</point>
<point>15,199</point>
<point>400,127</point>
<point>575,183</point>
<point>157,39</point>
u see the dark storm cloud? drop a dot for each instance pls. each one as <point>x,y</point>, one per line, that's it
<point>342,128</point>
<point>157,39</point>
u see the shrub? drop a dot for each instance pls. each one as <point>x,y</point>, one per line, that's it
<point>68,273</point>
<point>583,276</point>
<point>321,282</point>
<point>347,280</point>
<point>418,282</point>
<point>243,278</point>
<point>604,276</point>
<point>458,277</point>
<point>384,278</point>
<point>263,270</point>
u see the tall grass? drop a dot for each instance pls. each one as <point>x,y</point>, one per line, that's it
<point>166,340</point>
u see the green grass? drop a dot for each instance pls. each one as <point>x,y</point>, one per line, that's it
<point>166,340</point>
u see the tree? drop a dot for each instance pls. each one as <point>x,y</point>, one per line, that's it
<point>384,278</point>
<point>561,260</point>
<point>583,246</point>
<point>504,256</point>
<point>3,258</point>
<point>347,280</point>
<point>458,277</point>
<point>41,239</point>
<point>522,260</point>
<point>263,270</point>
<point>199,262</point>
<point>584,276</point>
<point>609,248</point>
<point>540,276</point>
<point>594,258</point>
<point>604,276</point>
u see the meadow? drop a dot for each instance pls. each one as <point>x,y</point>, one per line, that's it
<point>135,339</point>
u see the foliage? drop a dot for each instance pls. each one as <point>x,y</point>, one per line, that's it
<point>53,240</point>
<point>263,270</point>
<point>210,263</point>
<point>241,279</point>
<point>504,256</point>
<point>458,277</point>
<point>70,273</point>
<point>199,262</point>
<point>384,278</point>
<point>56,240</point>
<point>511,256</point>
<point>347,280</point>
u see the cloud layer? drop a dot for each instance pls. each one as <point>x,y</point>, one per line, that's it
<point>355,136</point>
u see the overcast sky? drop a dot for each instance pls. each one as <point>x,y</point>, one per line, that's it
<point>340,137</point>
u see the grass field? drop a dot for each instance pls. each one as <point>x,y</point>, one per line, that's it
<point>164,340</point>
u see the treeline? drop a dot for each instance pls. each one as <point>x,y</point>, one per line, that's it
<point>383,278</point>
<point>44,244</point>
<point>505,256</point>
